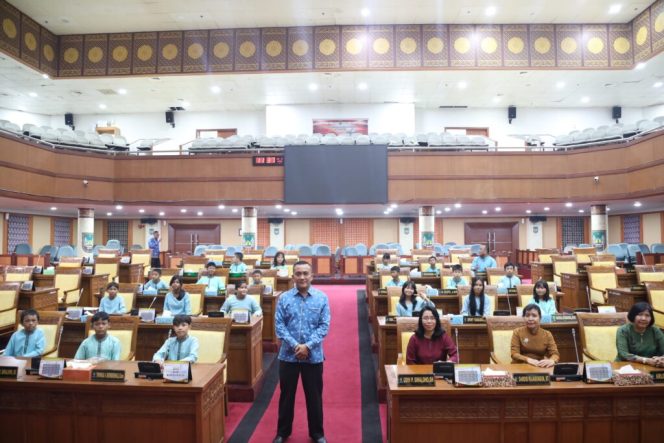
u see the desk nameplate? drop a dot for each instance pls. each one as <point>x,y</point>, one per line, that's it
<point>532,379</point>
<point>657,376</point>
<point>110,375</point>
<point>10,372</point>
<point>447,292</point>
<point>474,320</point>
<point>417,380</point>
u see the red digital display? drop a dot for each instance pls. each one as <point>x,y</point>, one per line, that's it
<point>268,160</point>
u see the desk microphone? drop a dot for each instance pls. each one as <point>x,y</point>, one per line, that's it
<point>80,294</point>
<point>152,302</point>
<point>509,305</point>
<point>590,305</point>
<point>456,337</point>
<point>576,350</point>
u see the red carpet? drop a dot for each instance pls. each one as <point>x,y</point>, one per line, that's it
<point>235,413</point>
<point>341,377</point>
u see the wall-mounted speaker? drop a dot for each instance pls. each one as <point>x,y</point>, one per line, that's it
<point>275,221</point>
<point>511,113</point>
<point>407,220</point>
<point>537,218</point>
<point>149,221</point>
<point>616,113</point>
<point>170,118</point>
<point>69,119</point>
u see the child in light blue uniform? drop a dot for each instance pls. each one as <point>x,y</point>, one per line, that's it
<point>240,301</point>
<point>29,341</point>
<point>542,298</point>
<point>155,283</point>
<point>213,283</point>
<point>509,280</point>
<point>238,267</point>
<point>111,303</point>
<point>101,344</point>
<point>457,279</point>
<point>177,301</point>
<point>182,347</point>
<point>394,272</point>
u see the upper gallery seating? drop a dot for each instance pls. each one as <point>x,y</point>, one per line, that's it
<point>604,134</point>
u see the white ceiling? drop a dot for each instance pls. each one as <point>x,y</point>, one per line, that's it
<point>80,16</point>
<point>652,204</point>
<point>426,89</point>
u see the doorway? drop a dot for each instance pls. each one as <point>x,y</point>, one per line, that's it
<point>183,239</point>
<point>499,238</point>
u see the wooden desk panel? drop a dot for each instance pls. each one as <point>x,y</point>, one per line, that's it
<point>560,412</point>
<point>43,299</point>
<point>245,359</point>
<point>543,271</point>
<point>473,345</point>
<point>131,273</point>
<point>91,285</point>
<point>574,287</point>
<point>624,298</point>
<point>136,410</point>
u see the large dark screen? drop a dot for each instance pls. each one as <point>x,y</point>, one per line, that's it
<point>336,174</point>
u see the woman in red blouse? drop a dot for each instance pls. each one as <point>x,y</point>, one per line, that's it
<point>430,343</point>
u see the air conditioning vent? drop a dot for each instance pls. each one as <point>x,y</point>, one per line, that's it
<point>107,91</point>
<point>452,107</point>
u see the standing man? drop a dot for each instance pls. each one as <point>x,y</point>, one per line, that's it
<point>153,244</point>
<point>302,321</point>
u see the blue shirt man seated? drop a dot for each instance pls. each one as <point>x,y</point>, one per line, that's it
<point>483,261</point>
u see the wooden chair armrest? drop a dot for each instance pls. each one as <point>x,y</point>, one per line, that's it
<point>589,354</point>
<point>658,311</point>
<point>494,359</point>
<point>131,356</point>
<point>401,361</point>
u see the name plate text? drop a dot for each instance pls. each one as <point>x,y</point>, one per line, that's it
<point>448,292</point>
<point>476,320</point>
<point>561,318</point>
<point>114,375</point>
<point>10,372</point>
<point>408,380</point>
<point>531,379</point>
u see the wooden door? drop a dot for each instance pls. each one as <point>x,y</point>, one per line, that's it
<point>499,238</point>
<point>183,239</point>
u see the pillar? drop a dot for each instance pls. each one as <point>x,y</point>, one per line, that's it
<point>599,227</point>
<point>427,227</point>
<point>249,227</point>
<point>86,232</point>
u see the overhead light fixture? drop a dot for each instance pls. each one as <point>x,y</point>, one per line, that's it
<point>568,204</point>
<point>286,210</point>
<point>313,87</point>
<point>393,206</point>
<point>484,211</point>
<point>608,209</point>
<point>496,99</point>
<point>462,85</point>
<point>215,89</point>
<point>45,76</point>
<point>585,99</point>
<point>637,204</point>
<point>32,94</point>
<point>457,205</point>
<point>640,65</point>
<point>490,11</point>
<point>162,213</point>
<point>657,85</point>
<point>102,106</point>
<point>234,210</point>
<point>199,213</point>
<point>546,209</point>
<point>498,209</point>
<point>366,12</point>
<point>186,104</point>
<point>118,207</point>
<point>439,212</point>
<point>362,86</point>
<point>560,85</point>
<point>614,9</point>
<point>293,213</point>
<point>122,91</point>
<point>581,211</point>
<point>339,211</point>
<point>183,210</point>
<point>386,212</point>
<point>53,208</point>
<point>221,207</point>
<point>278,206</point>
<point>141,211</point>
<point>528,211</point>
<point>109,214</point>
<point>448,209</point>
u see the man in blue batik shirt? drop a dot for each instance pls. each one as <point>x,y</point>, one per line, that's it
<point>302,320</point>
<point>153,244</point>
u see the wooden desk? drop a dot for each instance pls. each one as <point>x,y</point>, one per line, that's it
<point>574,287</point>
<point>543,271</point>
<point>43,299</point>
<point>131,273</point>
<point>91,285</point>
<point>473,345</point>
<point>245,359</point>
<point>560,412</point>
<point>624,298</point>
<point>134,411</point>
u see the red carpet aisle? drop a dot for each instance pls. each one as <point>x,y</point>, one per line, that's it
<point>341,391</point>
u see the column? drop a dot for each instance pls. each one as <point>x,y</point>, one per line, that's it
<point>427,227</point>
<point>86,232</point>
<point>249,227</point>
<point>598,227</point>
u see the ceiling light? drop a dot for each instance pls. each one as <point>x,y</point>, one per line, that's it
<point>102,106</point>
<point>286,210</point>
<point>32,94</point>
<point>183,210</point>
<point>457,205</point>
<point>313,87</point>
<point>608,209</point>
<point>339,211</point>
<point>234,210</point>
<point>362,86</point>
<point>490,11</point>
<point>199,213</point>
<point>393,206</point>
<point>496,99</point>
<point>118,207</point>
<point>568,204</point>
<point>640,65</point>
<point>448,209</point>
<point>186,104</point>
<point>439,212</point>
<point>637,204</point>
<point>498,209</point>
<point>546,209</point>
<point>278,206</point>
<point>122,91</point>
<point>162,213</point>
<point>365,12</point>
<point>45,76</point>
<point>580,211</point>
<point>585,99</point>
<point>109,214</point>
<point>386,212</point>
<point>221,207</point>
<point>560,85</point>
<point>462,85</point>
<point>528,211</point>
<point>658,85</point>
<point>53,208</point>
<point>293,213</point>
<point>614,9</point>
<point>484,211</point>
<point>215,89</point>
<point>141,210</point>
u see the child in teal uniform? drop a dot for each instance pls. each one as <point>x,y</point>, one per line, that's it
<point>29,341</point>
<point>457,278</point>
<point>213,282</point>
<point>155,283</point>
<point>177,301</point>
<point>111,303</point>
<point>279,262</point>
<point>241,301</point>
<point>101,344</point>
<point>238,267</point>
<point>182,347</point>
<point>394,272</point>
<point>385,264</point>
<point>509,280</point>
<point>432,266</point>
